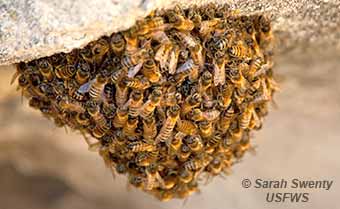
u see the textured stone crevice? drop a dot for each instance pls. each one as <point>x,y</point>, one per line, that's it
<point>31,29</point>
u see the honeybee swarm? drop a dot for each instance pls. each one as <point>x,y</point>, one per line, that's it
<point>171,101</point>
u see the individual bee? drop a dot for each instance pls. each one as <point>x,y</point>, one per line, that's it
<point>117,43</point>
<point>206,128</point>
<point>121,94</point>
<point>213,142</point>
<point>219,71</point>
<point>209,115</point>
<point>154,24</point>
<point>134,103</point>
<point>83,72</point>
<point>140,82</point>
<point>149,128</point>
<point>139,146</point>
<point>149,106</point>
<point>150,71</point>
<point>171,97</point>
<point>246,117</point>
<point>186,127</point>
<point>262,24</point>
<point>98,49</point>
<point>208,26</point>
<point>97,87</point>
<point>173,59</point>
<point>184,153</point>
<point>174,143</point>
<point>205,82</point>
<point>185,176</point>
<point>146,158</point>
<point>94,111</point>
<point>100,130</point>
<point>129,129</point>
<point>240,51</point>
<point>136,181</point>
<point>224,96</point>
<point>120,118</point>
<point>182,24</point>
<point>35,102</point>
<point>153,178</point>
<point>162,54</point>
<point>83,118</point>
<point>197,163</point>
<point>194,142</point>
<point>226,118</point>
<point>197,56</point>
<point>191,102</point>
<point>169,124</point>
<point>263,69</point>
<point>186,39</point>
<point>46,69</point>
<point>71,105</point>
<point>108,110</point>
<point>117,75</point>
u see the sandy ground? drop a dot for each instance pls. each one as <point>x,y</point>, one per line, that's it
<point>42,167</point>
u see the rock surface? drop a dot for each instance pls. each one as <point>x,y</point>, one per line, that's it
<point>31,29</point>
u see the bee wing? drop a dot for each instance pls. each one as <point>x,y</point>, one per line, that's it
<point>85,87</point>
<point>14,77</point>
<point>184,67</point>
<point>173,60</point>
<point>134,70</point>
<point>219,74</point>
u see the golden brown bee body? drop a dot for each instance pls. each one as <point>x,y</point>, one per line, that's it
<point>191,102</point>
<point>129,129</point>
<point>186,127</point>
<point>46,69</point>
<point>117,43</point>
<point>141,147</point>
<point>83,73</point>
<point>121,118</point>
<point>206,129</point>
<point>149,128</point>
<point>195,143</point>
<point>169,124</point>
<point>149,106</point>
<point>97,88</point>
<point>150,71</point>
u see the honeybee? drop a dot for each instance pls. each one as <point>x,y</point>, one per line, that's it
<point>134,103</point>
<point>146,158</point>
<point>246,117</point>
<point>149,106</point>
<point>92,108</point>
<point>35,102</point>
<point>197,163</point>
<point>226,118</point>
<point>171,97</point>
<point>186,127</point>
<point>83,118</point>
<point>194,16</point>
<point>101,129</point>
<point>239,51</point>
<point>117,43</point>
<point>169,124</point>
<point>83,72</point>
<point>187,39</point>
<point>46,69</point>
<point>262,24</point>
<point>136,181</point>
<point>139,82</point>
<point>121,94</point>
<point>98,49</point>
<point>129,129</point>
<point>139,146</point>
<point>219,71</point>
<point>214,141</point>
<point>155,24</point>
<point>117,75</point>
<point>173,59</point>
<point>208,26</point>
<point>185,176</point>
<point>194,142</point>
<point>255,122</point>
<point>175,142</point>
<point>150,71</point>
<point>205,82</point>
<point>153,179</point>
<point>97,87</point>
<point>120,118</point>
<point>209,115</point>
<point>182,24</point>
<point>162,54</point>
<point>206,128</point>
<point>224,96</point>
<point>263,69</point>
<point>149,128</point>
<point>71,105</point>
<point>191,102</point>
<point>184,153</point>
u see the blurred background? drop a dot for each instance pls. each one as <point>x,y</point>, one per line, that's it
<point>43,167</point>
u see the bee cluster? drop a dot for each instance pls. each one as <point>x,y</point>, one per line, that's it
<point>169,101</point>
